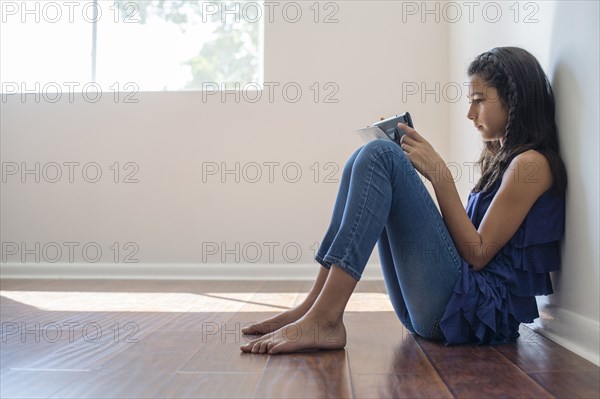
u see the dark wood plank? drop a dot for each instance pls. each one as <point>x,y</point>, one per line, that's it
<point>168,341</point>
<point>189,333</point>
<point>224,338</point>
<point>385,360</point>
<point>472,371</point>
<point>534,353</point>
<point>221,350</point>
<point>140,370</point>
<point>318,374</point>
<point>399,385</point>
<point>195,321</point>
<point>35,383</point>
<point>209,385</point>
<point>32,325</point>
<point>314,374</point>
<point>576,384</point>
<point>131,374</point>
<point>491,384</point>
<point>98,343</point>
<point>379,344</point>
<point>18,351</point>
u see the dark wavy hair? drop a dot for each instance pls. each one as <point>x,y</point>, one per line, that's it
<point>526,94</point>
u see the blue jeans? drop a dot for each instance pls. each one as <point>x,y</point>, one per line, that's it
<point>381,199</point>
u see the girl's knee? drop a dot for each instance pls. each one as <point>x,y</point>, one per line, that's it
<point>380,145</point>
<point>350,162</point>
<point>385,151</point>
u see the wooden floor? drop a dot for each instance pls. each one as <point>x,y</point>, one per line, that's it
<point>180,339</point>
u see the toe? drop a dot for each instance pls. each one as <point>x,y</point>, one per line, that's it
<point>251,329</point>
<point>270,346</point>
<point>247,347</point>
<point>276,348</point>
<point>256,347</point>
<point>263,347</point>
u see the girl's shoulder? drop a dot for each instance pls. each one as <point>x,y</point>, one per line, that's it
<point>533,156</point>
<point>531,167</point>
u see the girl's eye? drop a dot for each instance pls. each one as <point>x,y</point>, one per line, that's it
<point>478,100</point>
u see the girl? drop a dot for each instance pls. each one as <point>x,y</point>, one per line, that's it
<point>465,276</point>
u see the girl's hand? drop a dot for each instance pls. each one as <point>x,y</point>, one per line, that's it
<point>421,154</point>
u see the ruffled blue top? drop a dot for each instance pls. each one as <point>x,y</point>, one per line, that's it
<point>487,307</point>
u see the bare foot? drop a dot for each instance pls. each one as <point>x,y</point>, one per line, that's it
<point>310,332</point>
<point>278,321</point>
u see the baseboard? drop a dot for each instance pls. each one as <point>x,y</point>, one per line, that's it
<point>577,333</point>
<point>163,271</point>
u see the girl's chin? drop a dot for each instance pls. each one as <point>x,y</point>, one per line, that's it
<point>487,136</point>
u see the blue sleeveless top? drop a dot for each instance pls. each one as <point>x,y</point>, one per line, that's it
<point>487,307</point>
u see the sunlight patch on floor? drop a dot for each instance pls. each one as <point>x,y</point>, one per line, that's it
<point>180,302</point>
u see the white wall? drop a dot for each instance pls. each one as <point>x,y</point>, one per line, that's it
<point>370,54</point>
<point>565,41</point>
<point>171,212</point>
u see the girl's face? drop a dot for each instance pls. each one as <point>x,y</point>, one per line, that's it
<point>486,110</point>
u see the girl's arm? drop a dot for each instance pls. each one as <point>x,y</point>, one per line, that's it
<point>527,177</point>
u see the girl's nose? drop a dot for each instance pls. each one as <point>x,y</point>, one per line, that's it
<point>471,112</point>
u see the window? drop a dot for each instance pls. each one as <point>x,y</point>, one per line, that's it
<point>155,45</point>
